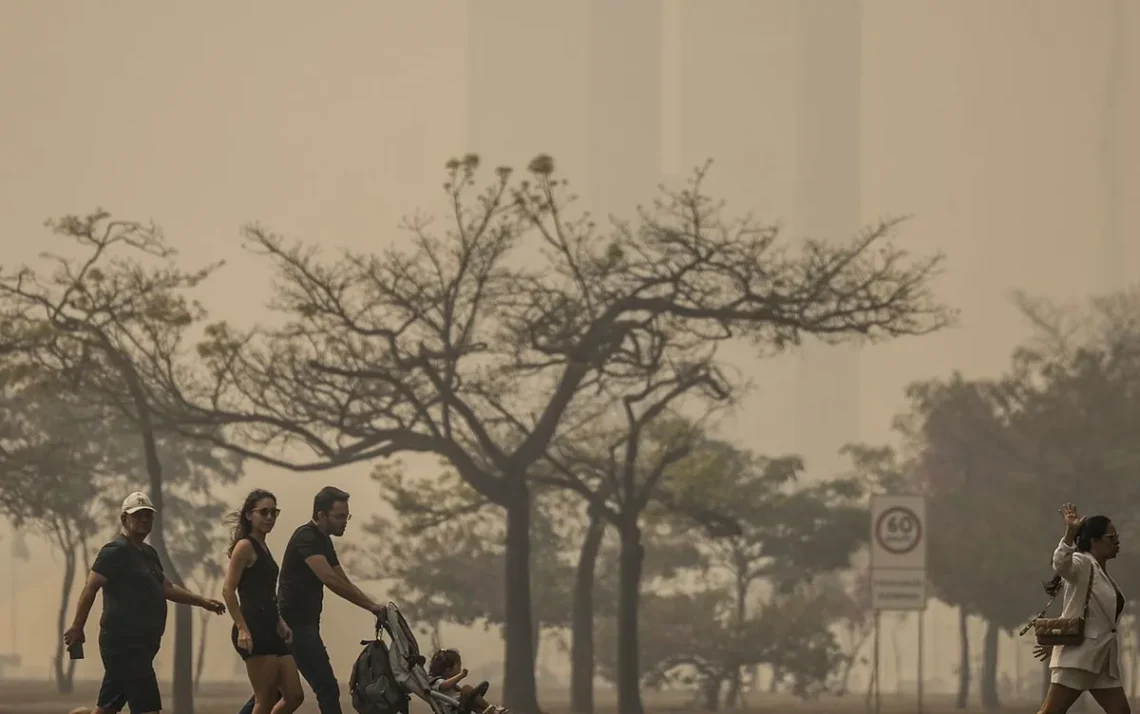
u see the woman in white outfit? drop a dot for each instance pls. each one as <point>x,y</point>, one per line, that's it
<point>1093,665</point>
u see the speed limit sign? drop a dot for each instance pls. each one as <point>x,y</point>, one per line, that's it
<point>898,532</point>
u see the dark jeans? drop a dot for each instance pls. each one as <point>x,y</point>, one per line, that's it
<point>313,663</point>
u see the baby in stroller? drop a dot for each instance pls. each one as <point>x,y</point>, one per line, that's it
<point>385,675</point>
<point>446,672</point>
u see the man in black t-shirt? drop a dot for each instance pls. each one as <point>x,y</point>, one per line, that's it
<point>310,564</point>
<point>135,590</point>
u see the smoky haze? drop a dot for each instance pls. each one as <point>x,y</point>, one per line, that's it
<point>1001,128</point>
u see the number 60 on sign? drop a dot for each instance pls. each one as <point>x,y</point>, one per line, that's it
<point>898,532</point>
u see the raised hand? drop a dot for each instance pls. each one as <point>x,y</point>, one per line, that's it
<point>1071,517</point>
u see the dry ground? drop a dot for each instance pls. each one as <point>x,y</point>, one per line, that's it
<point>23,697</point>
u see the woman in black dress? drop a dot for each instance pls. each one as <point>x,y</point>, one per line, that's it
<point>260,636</point>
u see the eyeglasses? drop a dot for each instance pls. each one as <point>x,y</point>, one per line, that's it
<point>268,512</point>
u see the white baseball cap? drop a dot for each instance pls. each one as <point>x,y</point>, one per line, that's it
<point>137,501</point>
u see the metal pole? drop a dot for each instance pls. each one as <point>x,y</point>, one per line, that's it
<point>921,643</point>
<point>878,705</point>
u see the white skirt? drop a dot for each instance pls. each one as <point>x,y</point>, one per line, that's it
<point>1083,680</point>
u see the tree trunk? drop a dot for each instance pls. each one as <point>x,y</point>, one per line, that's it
<point>64,674</point>
<point>989,688</point>
<point>629,595</point>
<point>732,697</point>
<point>712,694</point>
<point>183,674</point>
<point>536,642</point>
<point>740,613</point>
<point>519,690</point>
<point>963,658</point>
<point>582,621</point>
<point>203,628</point>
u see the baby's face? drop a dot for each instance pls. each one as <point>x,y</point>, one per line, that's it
<point>456,668</point>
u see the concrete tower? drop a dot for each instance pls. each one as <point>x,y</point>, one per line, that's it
<point>828,206</point>
<point>579,81</point>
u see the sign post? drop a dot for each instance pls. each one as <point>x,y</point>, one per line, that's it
<point>898,567</point>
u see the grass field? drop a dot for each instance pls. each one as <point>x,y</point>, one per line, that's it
<point>24,697</point>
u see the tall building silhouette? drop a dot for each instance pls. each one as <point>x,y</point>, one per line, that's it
<point>625,105</point>
<point>828,206</point>
<point>528,90</point>
<point>1112,147</point>
<point>580,81</point>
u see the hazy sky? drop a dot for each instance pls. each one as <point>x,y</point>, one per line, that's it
<point>984,121</point>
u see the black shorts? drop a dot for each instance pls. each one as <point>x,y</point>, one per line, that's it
<point>266,642</point>
<point>128,677</point>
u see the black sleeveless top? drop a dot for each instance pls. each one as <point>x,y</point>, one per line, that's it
<point>257,589</point>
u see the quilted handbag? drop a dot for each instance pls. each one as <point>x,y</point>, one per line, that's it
<point>1062,631</point>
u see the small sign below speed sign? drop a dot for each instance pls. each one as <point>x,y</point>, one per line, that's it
<point>898,532</point>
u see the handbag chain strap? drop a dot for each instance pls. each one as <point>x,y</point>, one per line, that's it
<point>1088,598</point>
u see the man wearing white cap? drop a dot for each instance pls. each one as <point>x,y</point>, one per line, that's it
<point>135,591</point>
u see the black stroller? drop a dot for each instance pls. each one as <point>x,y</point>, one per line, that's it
<point>386,676</point>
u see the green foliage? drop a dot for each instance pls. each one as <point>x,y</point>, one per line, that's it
<point>997,457</point>
<point>691,640</point>
<point>794,537</point>
<point>57,457</point>
<point>766,525</point>
<point>446,549</point>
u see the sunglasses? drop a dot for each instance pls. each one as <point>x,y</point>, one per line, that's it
<point>268,512</point>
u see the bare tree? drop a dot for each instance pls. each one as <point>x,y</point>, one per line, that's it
<point>97,321</point>
<point>462,347</point>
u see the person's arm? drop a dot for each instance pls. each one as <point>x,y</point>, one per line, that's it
<point>94,583</point>
<point>240,559</point>
<point>182,596</point>
<point>452,683</point>
<point>328,575</point>
<point>108,565</point>
<point>375,606</point>
<point>1063,555</point>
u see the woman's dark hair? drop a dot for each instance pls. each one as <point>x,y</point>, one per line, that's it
<point>326,497</point>
<point>442,662</point>
<point>1090,529</point>
<point>242,524</point>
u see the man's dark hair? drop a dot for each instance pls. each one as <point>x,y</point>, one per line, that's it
<point>326,497</point>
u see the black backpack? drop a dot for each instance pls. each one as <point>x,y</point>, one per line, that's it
<point>372,683</point>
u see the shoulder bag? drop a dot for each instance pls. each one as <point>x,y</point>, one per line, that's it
<point>1062,631</point>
